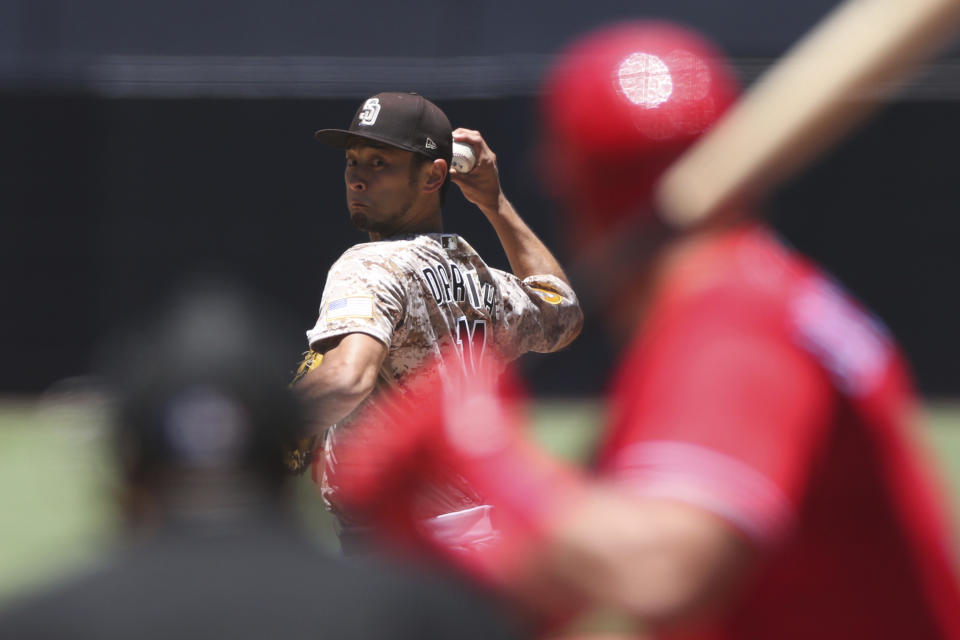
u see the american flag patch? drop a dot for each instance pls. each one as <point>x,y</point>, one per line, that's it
<point>352,307</point>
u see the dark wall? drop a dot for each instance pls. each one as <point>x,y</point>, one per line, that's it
<point>108,203</point>
<point>374,28</point>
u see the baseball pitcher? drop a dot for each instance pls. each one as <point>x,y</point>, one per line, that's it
<point>394,304</point>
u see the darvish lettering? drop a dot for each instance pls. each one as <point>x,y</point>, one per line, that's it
<point>456,286</point>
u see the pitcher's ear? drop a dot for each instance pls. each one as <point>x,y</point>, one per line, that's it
<point>436,175</point>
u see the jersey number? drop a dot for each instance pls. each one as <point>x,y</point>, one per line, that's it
<point>471,341</point>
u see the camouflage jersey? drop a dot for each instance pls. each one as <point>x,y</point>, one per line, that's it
<point>421,295</point>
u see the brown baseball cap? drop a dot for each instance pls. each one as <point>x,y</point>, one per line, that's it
<point>405,120</point>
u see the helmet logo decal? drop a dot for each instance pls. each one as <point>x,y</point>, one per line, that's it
<point>645,80</point>
<point>370,111</point>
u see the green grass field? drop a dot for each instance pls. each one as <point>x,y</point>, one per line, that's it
<point>57,483</point>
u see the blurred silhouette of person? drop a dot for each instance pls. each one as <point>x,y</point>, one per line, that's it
<point>761,476</point>
<point>214,549</point>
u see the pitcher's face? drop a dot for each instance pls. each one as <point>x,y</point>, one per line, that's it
<point>381,186</point>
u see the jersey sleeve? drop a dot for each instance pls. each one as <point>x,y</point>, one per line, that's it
<point>541,313</point>
<point>726,415</point>
<point>364,293</point>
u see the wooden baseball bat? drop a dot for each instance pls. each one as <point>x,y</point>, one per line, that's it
<point>825,85</point>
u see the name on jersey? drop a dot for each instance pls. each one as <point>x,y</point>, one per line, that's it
<point>454,285</point>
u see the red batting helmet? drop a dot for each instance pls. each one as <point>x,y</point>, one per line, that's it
<point>619,105</point>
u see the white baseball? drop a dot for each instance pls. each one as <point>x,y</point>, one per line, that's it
<point>463,157</point>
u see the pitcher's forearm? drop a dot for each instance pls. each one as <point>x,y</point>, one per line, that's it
<point>526,252</point>
<point>343,380</point>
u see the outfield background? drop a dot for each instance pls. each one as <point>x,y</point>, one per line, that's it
<point>57,482</point>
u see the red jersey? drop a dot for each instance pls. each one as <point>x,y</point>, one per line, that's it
<point>761,392</point>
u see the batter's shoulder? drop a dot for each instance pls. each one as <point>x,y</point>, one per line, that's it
<point>750,264</point>
<point>736,279</point>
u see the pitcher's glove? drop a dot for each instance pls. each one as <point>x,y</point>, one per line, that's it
<point>311,360</point>
<point>298,456</point>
